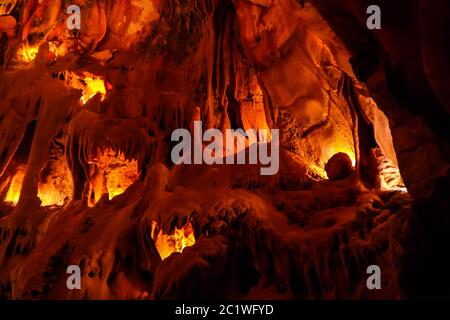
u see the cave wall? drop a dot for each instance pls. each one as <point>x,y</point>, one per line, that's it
<point>401,64</point>
<point>311,69</point>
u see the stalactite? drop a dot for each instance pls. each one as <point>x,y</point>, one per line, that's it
<point>141,226</point>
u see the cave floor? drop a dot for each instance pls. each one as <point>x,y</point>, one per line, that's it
<point>279,237</point>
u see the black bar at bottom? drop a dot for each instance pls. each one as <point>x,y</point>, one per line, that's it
<point>227,310</point>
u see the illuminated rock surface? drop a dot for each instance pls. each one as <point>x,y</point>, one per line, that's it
<point>85,171</point>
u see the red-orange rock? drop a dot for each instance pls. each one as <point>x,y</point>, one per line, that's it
<point>339,166</point>
<point>8,24</point>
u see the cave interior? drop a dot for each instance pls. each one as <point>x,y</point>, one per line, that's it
<point>87,178</point>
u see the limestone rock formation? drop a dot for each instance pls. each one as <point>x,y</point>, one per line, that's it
<point>339,166</point>
<point>87,179</point>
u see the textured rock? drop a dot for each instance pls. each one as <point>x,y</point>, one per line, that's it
<point>339,166</point>
<point>8,25</point>
<point>320,77</point>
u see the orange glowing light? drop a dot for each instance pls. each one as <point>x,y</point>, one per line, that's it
<point>50,196</point>
<point>88,83</point>
<point>55,190</point>
<point>120,172</point>
<point>328,152</point>
<point>167,244</point>
<point>57,50</point>
<point>13,194</point>
<point>344,148</point>
<point>28,53</point>
<point>112,173</point>
<point>93,86</point>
